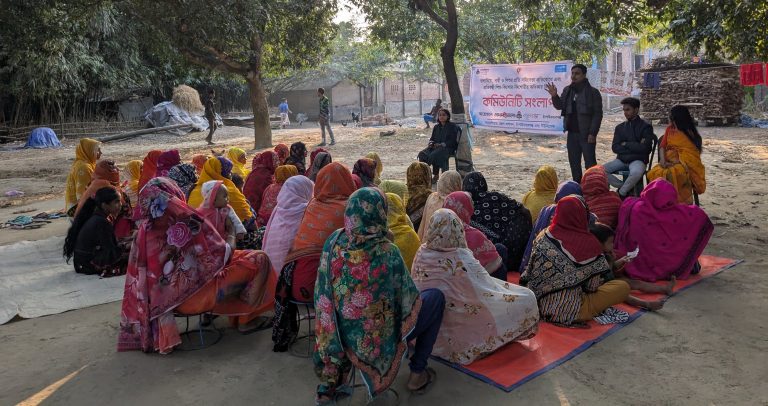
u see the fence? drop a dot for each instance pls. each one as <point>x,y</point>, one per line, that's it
<point>73,130</point>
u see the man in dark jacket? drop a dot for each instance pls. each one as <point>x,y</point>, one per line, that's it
<point>582,111</point>
<point>632,142</point>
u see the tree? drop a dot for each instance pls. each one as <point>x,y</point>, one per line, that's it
<point>246,38</point>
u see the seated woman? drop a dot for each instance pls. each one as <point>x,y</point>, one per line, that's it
<point>365,169</point>
<point>281,229</point>
<point>543,192</point>
<point>198,160</point>
<point>324,215</point>
<point>107,174</point>
<point>166,161</point>
<point>442,144</point>
<point>404,237</point>
<point>298,157</point>
<point>379,167</point>
<point>567,267</point>
<point>269,199</point>
<point>449,182</point>
<point>185,177</point>
<point>132,174</point>
<point>239,159</point>
<point>397,187</point>
<point>283,152</point>
<point>366,304</point>
<point>489,255</point>
<point>600,199</point>
<point>149,167</point>
<point>502,219</point>
<point>262,175</point>
<point>680,156</point>
<point>91,237</point>
<point>419,189</point>
<point>671,236</point>
<point>216,209</point>
<point>179,263</point>
<point>566,188</point>
<point>319,158</point>
<point>217,169</point>
<point>482,313</point>
<point>87,153</point>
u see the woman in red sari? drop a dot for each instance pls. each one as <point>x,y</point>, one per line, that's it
<point>261,176</point>
<point>178,262</point>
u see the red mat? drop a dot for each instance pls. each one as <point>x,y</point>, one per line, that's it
<point>520,362</point>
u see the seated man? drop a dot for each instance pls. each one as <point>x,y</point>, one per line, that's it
<point>632,143</point>
<point>431,117</point>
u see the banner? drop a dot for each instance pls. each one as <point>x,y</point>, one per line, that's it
<point>514,97</point>
<point>611,83</point>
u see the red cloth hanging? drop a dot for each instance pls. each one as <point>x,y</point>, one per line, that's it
<point>752,74</point>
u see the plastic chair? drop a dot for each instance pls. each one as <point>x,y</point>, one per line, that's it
<point>201,337</point>
<point>309,317</point>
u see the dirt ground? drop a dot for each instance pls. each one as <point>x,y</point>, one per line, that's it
<point>707,346</point>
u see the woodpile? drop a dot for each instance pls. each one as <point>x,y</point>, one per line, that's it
<point>713,93</point>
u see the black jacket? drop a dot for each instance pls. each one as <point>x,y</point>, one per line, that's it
<point>638,137</point>
<point>589,107</point>
<point>448,134</point>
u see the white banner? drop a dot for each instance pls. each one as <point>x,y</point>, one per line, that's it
<point>514,97</point>
<point>611,83</point>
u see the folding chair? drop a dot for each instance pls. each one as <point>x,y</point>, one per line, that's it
<point>309,316</point>
<point>201,337</point>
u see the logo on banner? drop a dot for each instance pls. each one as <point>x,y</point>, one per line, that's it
<point>561,68</point>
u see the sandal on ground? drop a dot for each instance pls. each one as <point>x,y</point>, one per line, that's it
<point>258,324</point>
<point>340,393</point>
<point>432,375</point>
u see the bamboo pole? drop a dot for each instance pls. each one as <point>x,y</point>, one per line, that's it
<point>131,134</point>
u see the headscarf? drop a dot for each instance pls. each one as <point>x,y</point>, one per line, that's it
<point>269,199</point>
<point>419,188</point>
<point>166,161</point>
<point>671,236</point>
<point>313,154</point>
<point>133,170</point>
<point>226,167</point>
<point>482,248</point>
<point>570,226</point>
<point>185,177</point>
<point>106,174</point>
<point>395,186</point>
<point>216,216</point>
<point>149,167</point>
<point>212,171</point>
<point>282,152</point>
<point>379,167</point>
<point>285,220</point>
<point>475,183</point>
<point>600,200</point>
<point>325,212</point>
<point>485,313</point>
<point>449,182</point>
<point>400,225</point>
<point>365,168</point>
<point>80,175</point>
<point>320,160</point>
<point>543,192</point>
<point>174,254</point>
<point>261,176</point>
<point>365,300</point>
<point>358,182</point>
<point>298,157</point>
<point>198,160</point>
<point>237,156</point>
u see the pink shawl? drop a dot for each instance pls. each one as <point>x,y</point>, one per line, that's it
<point>286,217</point>
<point>483,249</point>
<point>217,217</point>
<point>671,236</point>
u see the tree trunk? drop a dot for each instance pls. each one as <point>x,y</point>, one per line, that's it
<point>448,55</point>
<point>262,131</point>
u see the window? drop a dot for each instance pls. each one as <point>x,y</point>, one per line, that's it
<point>639,62</point>
<point>619,62</point>
<point>394,88</point>
<point>411,88</point>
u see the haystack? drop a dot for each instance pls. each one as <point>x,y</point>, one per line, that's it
<point>188,99</point>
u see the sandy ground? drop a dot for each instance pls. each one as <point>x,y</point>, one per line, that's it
<point>707,346</point>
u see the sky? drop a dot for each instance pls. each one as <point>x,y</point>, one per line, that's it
<point>348,12</point>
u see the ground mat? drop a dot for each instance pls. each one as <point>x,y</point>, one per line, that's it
<point>518,363</point>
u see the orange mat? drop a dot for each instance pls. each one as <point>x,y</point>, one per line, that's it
<point>520,362</point>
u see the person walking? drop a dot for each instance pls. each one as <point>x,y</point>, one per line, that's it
<point>325,116</point>
<point>210,115</point>
<point>285,120</point>
<point>582,111</point>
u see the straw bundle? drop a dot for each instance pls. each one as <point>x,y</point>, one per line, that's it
<point>188,99</point>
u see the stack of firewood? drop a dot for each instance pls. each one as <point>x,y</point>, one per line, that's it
<point>713,93</point>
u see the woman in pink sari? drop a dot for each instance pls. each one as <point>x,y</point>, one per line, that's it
<point>178,262</point>
<point>670,235</point>
<point>261,176</point>
<point>269,198</point>
<point>286,218</point>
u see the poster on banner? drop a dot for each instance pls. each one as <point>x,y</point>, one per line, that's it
<point>515,98</point>
<point>611,83</point>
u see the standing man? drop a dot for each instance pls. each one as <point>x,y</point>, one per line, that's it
<point>210,114</point>
<point>432,116</point>
<point>325,116</point>
<point>632,143</point>
<point>285,120</point>
<point>582,111</point>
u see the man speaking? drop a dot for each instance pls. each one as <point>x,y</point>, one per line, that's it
<point>582,111</point>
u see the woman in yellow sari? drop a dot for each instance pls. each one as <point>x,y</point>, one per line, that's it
<point>406,238</point>
<point>86,155</point>
<point>379,167</point>
<point>133,170</point>
<point>212,171</point>
<point>238,158</point>
<point>543,192</point>
<point>680,156</point>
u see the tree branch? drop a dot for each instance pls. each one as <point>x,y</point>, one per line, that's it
<point>214,59</point>
<point>427,9</point>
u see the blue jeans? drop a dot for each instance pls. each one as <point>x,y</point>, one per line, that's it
<point>636,171</point>
<point>427,327</point>
<point>428,119</point>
